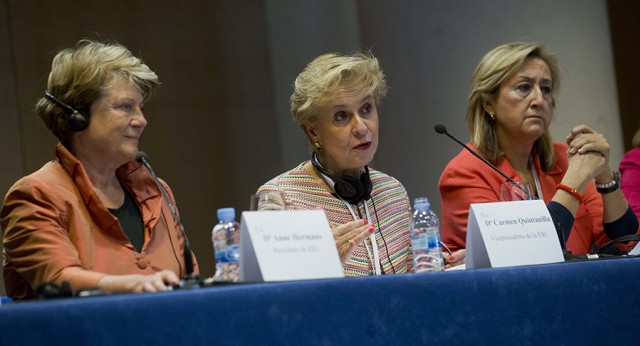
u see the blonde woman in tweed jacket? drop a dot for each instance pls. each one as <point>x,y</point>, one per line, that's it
<point>335,102</point>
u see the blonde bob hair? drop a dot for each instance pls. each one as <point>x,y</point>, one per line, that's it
<point>318,83</point>
<point>497,66</point>
<point>80,74</point>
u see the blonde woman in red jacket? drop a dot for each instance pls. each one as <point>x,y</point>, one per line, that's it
<point>509,112</point>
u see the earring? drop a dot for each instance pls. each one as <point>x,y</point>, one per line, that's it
<point>492,115</point>
<point>317,145</point>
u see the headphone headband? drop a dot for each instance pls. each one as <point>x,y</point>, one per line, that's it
<point>55,100</point>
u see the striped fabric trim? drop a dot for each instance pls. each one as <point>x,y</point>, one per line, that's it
<point>392,208</point>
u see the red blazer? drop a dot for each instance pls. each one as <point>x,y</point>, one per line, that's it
<point>467,180</point>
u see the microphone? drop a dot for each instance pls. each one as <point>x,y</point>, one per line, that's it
<point>441,129</point>
<point>190,280</point>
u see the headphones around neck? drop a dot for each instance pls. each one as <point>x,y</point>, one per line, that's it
<point>75,120</point>
<point>346,187</point>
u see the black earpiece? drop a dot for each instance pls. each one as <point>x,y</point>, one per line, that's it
<point>346,187</point>
<point>75,120</point>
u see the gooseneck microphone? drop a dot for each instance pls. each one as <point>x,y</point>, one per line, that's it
<point>441,129</point>
<point>190,280</point>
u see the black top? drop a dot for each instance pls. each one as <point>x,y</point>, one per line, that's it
<point>130,220</point>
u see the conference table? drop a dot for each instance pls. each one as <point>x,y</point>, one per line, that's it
<point>575,303</point>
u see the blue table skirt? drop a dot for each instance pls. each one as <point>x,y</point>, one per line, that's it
<point>583,303</point>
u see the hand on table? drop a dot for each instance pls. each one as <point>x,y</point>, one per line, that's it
<point>135,283</point>
<point>455,258</point>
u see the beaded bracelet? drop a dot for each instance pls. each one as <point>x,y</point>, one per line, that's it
<point>611,186</point>
<point>571,191</point>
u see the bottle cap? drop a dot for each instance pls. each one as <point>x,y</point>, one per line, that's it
<point>421,203</point>
<point>226,214</point>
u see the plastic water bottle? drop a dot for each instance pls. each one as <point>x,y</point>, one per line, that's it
<point>425,238</point>
<point>225,237</point>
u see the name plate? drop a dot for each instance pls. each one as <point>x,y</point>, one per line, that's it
<point>287,245</point>
<point>505,234</point>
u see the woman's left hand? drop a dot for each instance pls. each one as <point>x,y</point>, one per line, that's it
<point>583,140</point>
<point>349,236</point>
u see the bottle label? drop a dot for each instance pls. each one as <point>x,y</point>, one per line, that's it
<point>427,255</point>
<point>229,254</point>
<point>419,241</point>
<point>433,238</point>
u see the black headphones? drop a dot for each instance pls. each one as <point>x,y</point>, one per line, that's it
<point>75,120</point>
<point>609,249</point>
<point>48,290</point>
<point>346,187</point>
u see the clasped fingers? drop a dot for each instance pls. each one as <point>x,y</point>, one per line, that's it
<point>591,142</point>
<point>578,130</point>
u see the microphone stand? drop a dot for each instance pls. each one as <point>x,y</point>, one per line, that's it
<point>190,279</point>
<point>566,253</point>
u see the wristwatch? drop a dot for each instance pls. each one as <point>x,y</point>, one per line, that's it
<point>610,186</point>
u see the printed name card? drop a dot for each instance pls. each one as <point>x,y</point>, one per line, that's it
<point>504,234</point>
<point>287,245</point>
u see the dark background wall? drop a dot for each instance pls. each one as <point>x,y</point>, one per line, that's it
<point>626,51</point>
<point>219,125</point>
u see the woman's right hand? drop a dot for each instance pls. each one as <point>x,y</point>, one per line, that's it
<point>587,159</point>
<point>135,283</point>
<point>455,259</point>
<point>589,150</point>
<point>349,235</point>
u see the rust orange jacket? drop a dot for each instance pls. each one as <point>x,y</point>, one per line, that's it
<point>53,220</point>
